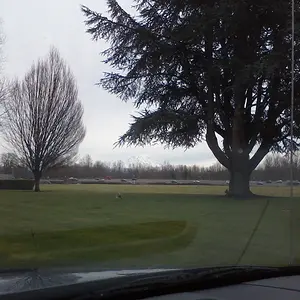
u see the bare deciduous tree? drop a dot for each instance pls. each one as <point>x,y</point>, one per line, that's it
<point>43,121</point>
<point>3,95</point>
<point>9,161</point>
<point>86,161</point>
<point>3,83</point>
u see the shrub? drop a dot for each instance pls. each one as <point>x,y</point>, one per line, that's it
<point>16,184</point>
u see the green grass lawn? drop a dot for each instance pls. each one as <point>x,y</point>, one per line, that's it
<point>151,226</point>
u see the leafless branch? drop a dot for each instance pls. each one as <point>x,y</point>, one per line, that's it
<point>3,81</point>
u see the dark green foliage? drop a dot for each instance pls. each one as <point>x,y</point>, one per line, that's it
<point>198,70</point>
<point>16,184</point>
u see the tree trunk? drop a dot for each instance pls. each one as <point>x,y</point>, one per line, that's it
<point>37,178</point>
<point>240,172</point>
<point>239,185</point>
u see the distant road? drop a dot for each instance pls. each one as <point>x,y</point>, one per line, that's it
<point>161,181</point>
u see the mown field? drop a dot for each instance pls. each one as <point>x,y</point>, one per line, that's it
<point>151,226</point>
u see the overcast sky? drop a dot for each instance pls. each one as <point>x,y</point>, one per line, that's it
<point>31,27</point>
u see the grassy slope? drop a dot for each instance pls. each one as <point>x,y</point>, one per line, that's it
<point>65,220</point>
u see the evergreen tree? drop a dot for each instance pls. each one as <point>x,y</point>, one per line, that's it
<point>205,70</point>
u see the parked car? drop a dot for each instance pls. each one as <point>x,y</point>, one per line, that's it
<point>72,180</point>
<point>295,182</point>
<point>100,179</point>
<point>45,181</point>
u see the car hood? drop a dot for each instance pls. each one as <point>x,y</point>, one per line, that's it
<point>14,282</point>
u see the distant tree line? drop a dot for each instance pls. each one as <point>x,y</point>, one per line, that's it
<point>274,167</point>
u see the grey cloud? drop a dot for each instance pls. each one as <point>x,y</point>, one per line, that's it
<point>32,26</point>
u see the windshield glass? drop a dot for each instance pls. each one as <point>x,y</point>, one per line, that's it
<point>149,134</point>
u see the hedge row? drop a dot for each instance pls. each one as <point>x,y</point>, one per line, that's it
<point>16,184</point>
